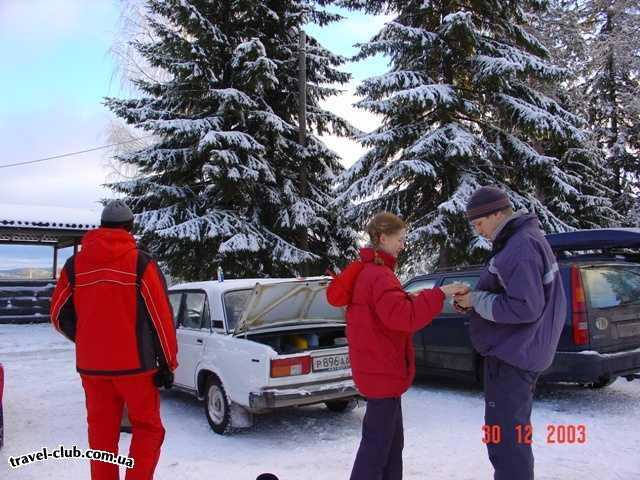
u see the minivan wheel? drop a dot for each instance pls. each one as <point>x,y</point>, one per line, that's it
<point>602,382</point>
<point>341,406</point>
<point>216,406</point>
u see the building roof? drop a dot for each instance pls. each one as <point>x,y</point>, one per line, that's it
<point>45,224</point>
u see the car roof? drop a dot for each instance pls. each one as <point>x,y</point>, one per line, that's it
<point>591,259</point>
<point>599,238</point>
<point>606,239</point>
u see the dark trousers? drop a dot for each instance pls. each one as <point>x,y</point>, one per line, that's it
<point>380,454</point>
<point>508,396</point>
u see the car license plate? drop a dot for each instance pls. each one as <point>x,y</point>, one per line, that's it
<point>629,330</point>
<point>331,362</point>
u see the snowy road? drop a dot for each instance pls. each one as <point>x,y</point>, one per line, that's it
<point>44,406</point>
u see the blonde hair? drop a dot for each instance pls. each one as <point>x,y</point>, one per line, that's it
<point>383,222</point>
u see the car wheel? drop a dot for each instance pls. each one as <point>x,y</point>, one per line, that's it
<point>216,406</point>
<point>341,406</point>
<point>602,382</point>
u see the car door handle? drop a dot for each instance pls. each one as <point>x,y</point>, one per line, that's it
<point>199,340</point>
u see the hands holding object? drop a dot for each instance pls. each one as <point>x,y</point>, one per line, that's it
<point>455,289</point>
<point>459,293</point>
<point>462,302</point>
<point>452,290</point>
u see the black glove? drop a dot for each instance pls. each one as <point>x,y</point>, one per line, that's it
<point>163,378</point>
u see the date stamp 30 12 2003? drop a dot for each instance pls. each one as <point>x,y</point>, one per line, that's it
<point>556,434</point>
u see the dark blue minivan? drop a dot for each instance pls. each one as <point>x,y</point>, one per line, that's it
<point>601,338</point>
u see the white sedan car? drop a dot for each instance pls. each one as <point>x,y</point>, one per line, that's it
<point>252,345</point>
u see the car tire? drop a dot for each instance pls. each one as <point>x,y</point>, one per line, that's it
<point>216,406</point>
<point>341,406</point>
<point>602,382</point>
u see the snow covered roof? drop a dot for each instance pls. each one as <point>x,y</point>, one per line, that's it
<point>32,216</point>
<point>32,223</point>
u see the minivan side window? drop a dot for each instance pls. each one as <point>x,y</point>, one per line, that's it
<point>470,281</point>
<point>421,285</point>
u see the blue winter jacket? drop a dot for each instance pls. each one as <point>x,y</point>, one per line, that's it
<point>519,305</point>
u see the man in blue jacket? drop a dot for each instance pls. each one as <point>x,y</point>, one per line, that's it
<point>517,313</point>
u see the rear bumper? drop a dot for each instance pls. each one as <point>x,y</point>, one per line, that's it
<point>589,366</point>
<point>296,395</point>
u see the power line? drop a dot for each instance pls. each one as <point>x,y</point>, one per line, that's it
<point>73,153</point>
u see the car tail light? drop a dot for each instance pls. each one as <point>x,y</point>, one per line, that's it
<point>579,309</point>
<point>289,367</point>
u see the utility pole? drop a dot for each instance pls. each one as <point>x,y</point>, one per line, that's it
<point>302,136</point>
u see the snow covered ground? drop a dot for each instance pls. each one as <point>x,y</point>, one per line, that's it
<point>44,406</point>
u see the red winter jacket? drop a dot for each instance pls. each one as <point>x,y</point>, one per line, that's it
<point>381,321</point>
<point>111,299</point>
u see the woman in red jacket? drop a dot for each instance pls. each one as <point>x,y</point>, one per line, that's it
<point>381,321</point>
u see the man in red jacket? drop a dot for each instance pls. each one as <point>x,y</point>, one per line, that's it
<point>111,300</point>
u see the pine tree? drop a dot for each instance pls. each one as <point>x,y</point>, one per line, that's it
<point>222,184</point>
<point>461,110</point>
<point>600,41</point>
<point>612,92</point>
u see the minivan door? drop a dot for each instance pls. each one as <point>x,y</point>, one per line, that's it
<point>418,340</point>
<point>447,344</point>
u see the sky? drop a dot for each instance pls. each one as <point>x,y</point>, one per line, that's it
<point>57,69</point>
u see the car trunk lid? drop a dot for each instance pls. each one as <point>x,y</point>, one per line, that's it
<point>288,303</point>
<point>613,305</point>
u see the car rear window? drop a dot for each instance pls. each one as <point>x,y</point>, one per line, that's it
<point>610,286</point>
<point>234,305</point>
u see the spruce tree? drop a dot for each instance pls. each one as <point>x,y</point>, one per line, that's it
<point>599,40</point>
<point>461,110</point>
<point>222,184</point>
<point>612,89</point>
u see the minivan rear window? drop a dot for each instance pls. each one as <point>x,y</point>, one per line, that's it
<point>610,286</point>
<point>421,285</point>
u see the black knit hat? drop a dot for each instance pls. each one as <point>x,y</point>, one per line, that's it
<point>116,214</point>
<point>485,201</point>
